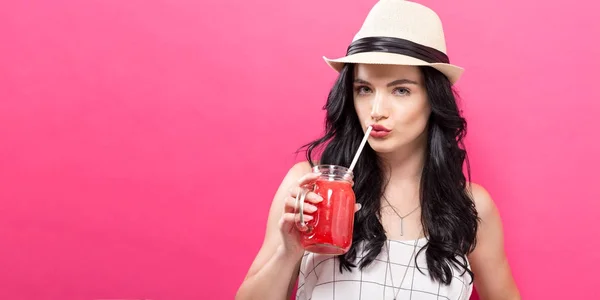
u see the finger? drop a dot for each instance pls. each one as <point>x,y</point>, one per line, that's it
<point>295,191</point>
<point>310,196</point>
<point>288,221</point>
<point>291,218</point>
<point>357,207</point>
<point>314,197</point>
<point>290,206</point>
<point>308,178</point>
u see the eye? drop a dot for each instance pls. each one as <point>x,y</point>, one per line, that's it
<point>402,91</point>
<point>361,90</point>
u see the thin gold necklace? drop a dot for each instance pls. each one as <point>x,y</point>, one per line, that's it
<point>401,217</point>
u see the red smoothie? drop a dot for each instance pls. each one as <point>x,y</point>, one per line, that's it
<point>330,232</point>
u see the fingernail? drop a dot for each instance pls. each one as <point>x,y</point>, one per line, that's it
<point>310,208</point>
<point>308,217</point>
<point>359,206</point>
<point>319,198</point>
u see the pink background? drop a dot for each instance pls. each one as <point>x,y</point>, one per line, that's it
<point>136,159</point>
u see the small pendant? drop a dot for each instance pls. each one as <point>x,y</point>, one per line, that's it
<point>401,231</point>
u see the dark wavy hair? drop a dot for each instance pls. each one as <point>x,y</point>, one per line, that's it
<point>448,217</point>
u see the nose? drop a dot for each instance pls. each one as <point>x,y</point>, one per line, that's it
<point>378,109</point>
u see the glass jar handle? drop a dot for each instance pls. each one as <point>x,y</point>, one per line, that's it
<point>300,223</point>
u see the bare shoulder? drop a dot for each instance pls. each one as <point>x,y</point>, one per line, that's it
<point>493,275</point>
<point>483,200</point>
<point>299,169</point>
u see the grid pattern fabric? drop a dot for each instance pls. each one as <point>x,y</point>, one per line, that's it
<point>320,277</point>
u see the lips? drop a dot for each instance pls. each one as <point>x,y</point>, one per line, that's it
<point>380,128</point>
<point>379,131</point>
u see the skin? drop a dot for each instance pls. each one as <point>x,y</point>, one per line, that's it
<point>394,97</point>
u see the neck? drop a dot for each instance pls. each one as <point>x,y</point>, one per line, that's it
<point>405,165</point>
<point>403,170</point>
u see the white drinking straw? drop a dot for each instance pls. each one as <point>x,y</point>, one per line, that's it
<point>362,145</point>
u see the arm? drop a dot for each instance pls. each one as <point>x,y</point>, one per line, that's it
<point>493,278</point>
<point>274,271</point>
<point>270,277</point>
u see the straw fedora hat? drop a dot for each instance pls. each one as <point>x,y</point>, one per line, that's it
<point>400,32</point>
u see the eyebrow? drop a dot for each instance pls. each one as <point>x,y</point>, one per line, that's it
<point>393,83</point>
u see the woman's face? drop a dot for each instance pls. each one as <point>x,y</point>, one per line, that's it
<point>394,99</point>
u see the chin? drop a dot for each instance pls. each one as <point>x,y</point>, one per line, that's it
<point>383,146</point>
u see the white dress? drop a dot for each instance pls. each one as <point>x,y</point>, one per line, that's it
<point>320,277</point>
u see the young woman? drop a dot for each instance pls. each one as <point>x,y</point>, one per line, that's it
<point>422,230</point>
